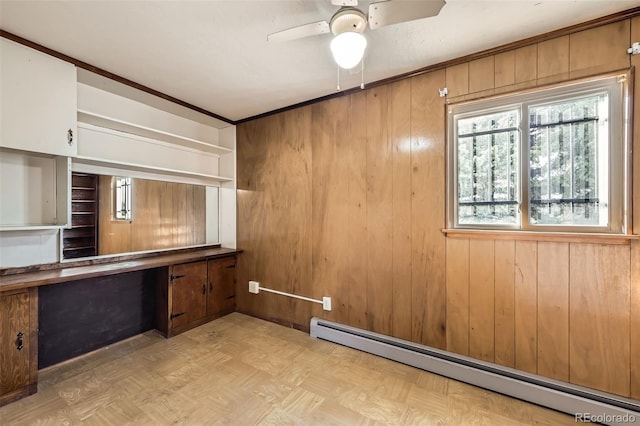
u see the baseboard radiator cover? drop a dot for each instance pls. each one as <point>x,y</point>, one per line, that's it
<point>583,403</point>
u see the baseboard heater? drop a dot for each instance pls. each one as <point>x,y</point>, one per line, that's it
<point>585,404</point>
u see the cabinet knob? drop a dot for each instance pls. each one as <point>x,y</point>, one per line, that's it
<point>20,341</point>
<point>70,136</point>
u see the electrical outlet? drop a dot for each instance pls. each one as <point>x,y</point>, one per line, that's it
<point>254,287</point>
<point>326,303</point>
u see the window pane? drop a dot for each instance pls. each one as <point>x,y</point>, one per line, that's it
<point>487,169</point>
<point>122,198</point>
<point>568,162</point>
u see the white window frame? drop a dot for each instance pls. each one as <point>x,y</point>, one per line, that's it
<point>617,88</point>
<point>126,191</point>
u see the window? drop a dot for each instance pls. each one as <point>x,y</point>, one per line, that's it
<point>548,160</point>
<point>122,198</point>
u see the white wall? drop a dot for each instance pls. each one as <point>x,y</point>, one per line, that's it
<point>23,248</point>
<point>28,188</point>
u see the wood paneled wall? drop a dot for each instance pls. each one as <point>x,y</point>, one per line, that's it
<point>165,215</point>
<point>346,198</point>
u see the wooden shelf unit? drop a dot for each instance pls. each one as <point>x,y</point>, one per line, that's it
<point>81,240</point>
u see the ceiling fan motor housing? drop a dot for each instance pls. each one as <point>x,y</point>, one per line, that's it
<point>348,19</point>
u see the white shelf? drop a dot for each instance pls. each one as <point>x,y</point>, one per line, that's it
<point>152,169</point>
<point>27,227</point>
<point>139,130</point>
<point>35,191</point>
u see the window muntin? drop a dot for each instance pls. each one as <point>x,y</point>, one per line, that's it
<point>548,160</point>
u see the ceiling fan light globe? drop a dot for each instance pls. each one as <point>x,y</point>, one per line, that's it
<point>348,49</point>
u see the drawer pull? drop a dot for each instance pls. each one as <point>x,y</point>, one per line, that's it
<point>204,289</point>
<point>230,266</point>
<point>20,341</point>
<point>210,287</point>
<point>172,316</point>
<point>229,297</point>
<point>175,277</point>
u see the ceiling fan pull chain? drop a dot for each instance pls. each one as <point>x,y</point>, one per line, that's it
<point>362,74</point>
<point>338,68</point>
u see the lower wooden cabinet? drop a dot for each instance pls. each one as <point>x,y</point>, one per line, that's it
<point>188,286</point>
<point>197,292</point>
<point>18,344</point>
<point>222,286</point>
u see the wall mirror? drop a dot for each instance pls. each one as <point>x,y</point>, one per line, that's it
<point>115,215</point>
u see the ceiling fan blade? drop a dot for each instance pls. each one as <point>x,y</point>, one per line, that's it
<point>392,12</point>
<point>344,2</point>
<point>315,28</point>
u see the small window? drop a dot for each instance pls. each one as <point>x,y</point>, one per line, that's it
<point>122,198</point>
<point>548,160</point>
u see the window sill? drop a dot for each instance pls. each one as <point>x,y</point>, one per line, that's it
<point>564,237</point>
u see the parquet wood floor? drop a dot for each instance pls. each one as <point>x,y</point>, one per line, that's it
<point>240,370</point>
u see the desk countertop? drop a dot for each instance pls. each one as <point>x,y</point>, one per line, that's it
<point>72,273</point>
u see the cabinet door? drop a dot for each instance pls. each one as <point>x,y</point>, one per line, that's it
<point>222,286</point>
<point>188,293</point>
<point>14,343</point>
<point>38,101</point>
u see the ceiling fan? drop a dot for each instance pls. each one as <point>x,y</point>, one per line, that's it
<point>349,23</point>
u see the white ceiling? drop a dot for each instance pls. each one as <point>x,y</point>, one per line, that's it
<point>214,54</point>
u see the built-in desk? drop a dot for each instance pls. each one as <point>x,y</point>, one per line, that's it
<point>65,274</point>
<point>51,315</point>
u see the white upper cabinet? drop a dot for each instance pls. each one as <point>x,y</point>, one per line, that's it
<point>39,98</point>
